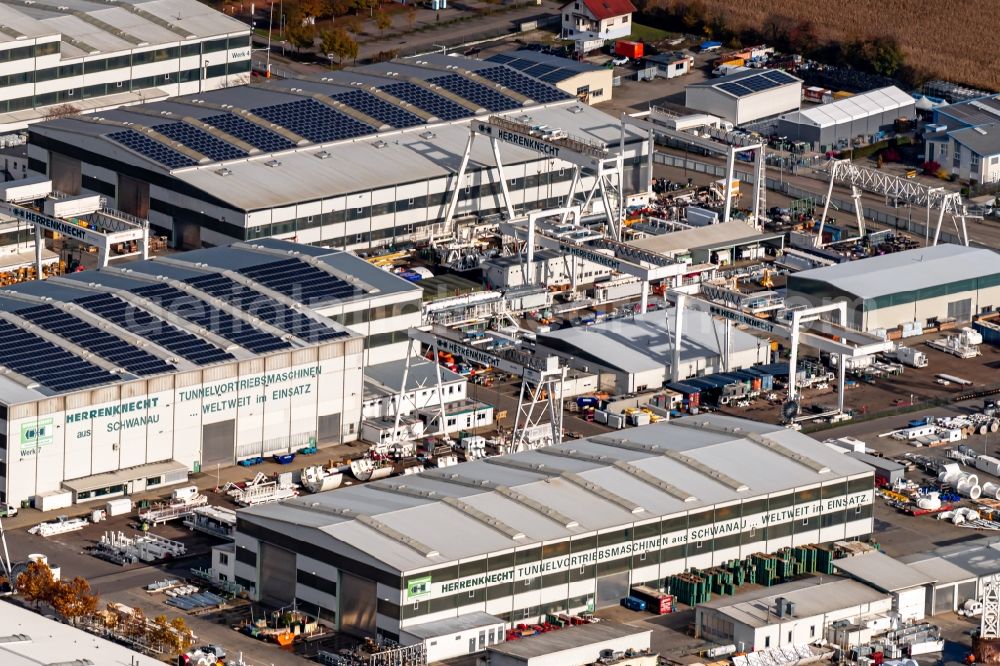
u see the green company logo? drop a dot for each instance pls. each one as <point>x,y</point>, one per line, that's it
<point>418,587</point>
<point>35,435</point>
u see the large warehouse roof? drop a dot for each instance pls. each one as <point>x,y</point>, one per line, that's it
<point>905,271</point>
<point>286,142</point>
<point>734,232</point>
<point>176,313</point>
<point>645,342</point>
<point>848,110</point>
<point>90,28</point>
<point>31,639</point>
<point>510,501</point>
<point>749,82</point>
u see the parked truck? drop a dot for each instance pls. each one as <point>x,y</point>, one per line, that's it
<point>657,602</point>
<point>909,356</point>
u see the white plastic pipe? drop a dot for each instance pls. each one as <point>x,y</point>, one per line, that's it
<point>991,490</point>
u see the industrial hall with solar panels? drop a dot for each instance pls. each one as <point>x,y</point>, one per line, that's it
<point>354,160</point>
<point>130,377</point>
<point>747,96</point>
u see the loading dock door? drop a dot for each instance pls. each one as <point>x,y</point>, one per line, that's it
<point>611,589</point>
<point>277,575</point>
<point>357,601</point>
<point>218,443</point>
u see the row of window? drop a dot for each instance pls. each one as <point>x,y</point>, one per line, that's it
<point>675,554</point>
<point>102,89</point>
<point>665,526</point>
<point>119,62</point>
<point>101,492</point>
<point>30,51</point>
<point>374,314</point>
<point>353,213</point>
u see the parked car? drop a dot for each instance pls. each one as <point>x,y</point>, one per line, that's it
<point>619,61</point>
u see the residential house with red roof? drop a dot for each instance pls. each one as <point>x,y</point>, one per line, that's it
<point>589,20</point>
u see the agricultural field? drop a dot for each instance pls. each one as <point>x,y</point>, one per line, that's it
<point>958,42</point>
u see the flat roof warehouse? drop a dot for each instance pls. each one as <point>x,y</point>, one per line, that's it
<point>563,492</point>
<point>416,114</point>
<point>174,314</point>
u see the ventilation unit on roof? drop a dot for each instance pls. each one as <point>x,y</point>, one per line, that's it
<point>224,172</point>
<point>576,109</point>
<point>427,135</point>
<point>323,154</point>
<point>980,130</point>
<point>273,163</point>
<point>380,144</point>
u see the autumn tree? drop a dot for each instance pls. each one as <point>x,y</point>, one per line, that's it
<point>183,632</point>
<point>36,583</point>
<point>411,16</point>
<point>74,599</point>
<point>340,44</point>
<point>300,34</point>
<point>310,8</point>
<point>382,21</point>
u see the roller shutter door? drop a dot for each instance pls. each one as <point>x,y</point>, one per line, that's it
<point>357,601</point>
<point>277,575</point>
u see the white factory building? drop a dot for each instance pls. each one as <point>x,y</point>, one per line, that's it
<point>562,529</point>
<point>360,159</point>
<point>638,351</point>
<point>127,378</point>
<point>943,282</point>
<point>791,614</point>
<point>79,56</point>
<point>837,124</point>
<point>553,269</point>
<point>746,97</point>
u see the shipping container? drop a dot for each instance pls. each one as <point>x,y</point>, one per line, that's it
<point>119,507</point>
<point>50,501</point>
<point>657,602</point>
<point>629,49</point>
<point>815,93</point>
<point>186,493</point>
<point>634,604</point>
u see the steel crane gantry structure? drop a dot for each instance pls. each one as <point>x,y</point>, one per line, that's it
<point>546,375</point>
<point>899,189</point>
<point>608,169</point>
<point>619,257</point>
<point>806,325</point>
<point>658,124</point>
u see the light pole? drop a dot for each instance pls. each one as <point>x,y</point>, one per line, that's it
<point>270,18</point>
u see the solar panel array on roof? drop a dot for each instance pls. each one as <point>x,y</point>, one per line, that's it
<point>95,340</point>
<point>377,108</point>
<point>260,306</point>
<point>489,99</point>
<point>198,312</point>
<point>252,133</point>
<point>424,99</point>
<point>200,141</point>
<point>145,325</point>
<point>546,72</point>
<point>313,120</point>
<point>152,149</point>
<point>45,363</point>
<point>758,82</point>
<point>527,86</point>
<point>299,280</point>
